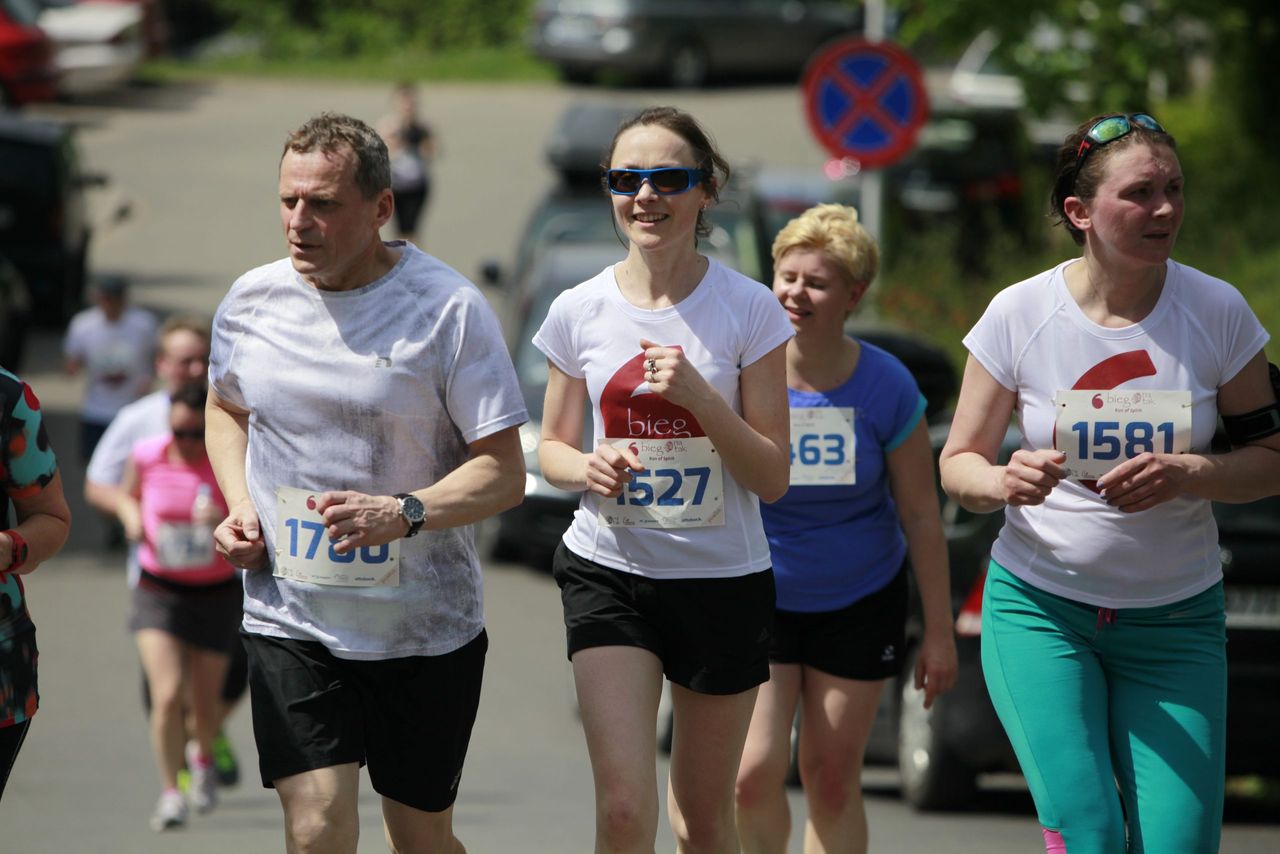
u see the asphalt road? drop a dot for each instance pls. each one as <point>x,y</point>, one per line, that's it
<point>194,166</point>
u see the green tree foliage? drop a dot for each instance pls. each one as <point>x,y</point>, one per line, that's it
<point>338,28</point>
<point>1096,55</point>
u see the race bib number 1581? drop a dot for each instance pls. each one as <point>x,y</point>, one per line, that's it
<point>1098,430</point>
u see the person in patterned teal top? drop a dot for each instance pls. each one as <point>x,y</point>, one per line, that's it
<point>32,486</point>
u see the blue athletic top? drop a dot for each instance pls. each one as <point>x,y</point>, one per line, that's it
<point>834,545</point>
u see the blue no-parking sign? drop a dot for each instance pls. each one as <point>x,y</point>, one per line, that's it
<point>865,100</point>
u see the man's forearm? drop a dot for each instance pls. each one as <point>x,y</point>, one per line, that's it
<point>490,481</point>
<point>226,437</point>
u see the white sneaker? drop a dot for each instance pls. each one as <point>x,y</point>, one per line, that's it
<point>204,782</point>
<point>171,811</point>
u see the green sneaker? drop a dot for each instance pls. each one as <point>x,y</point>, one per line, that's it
<point>225,766</point>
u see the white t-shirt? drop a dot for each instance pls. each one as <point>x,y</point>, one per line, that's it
<point>377,390</point>
<point>117,358</point>
<point>143,419</point>
<point>593,333</point>
<point>1035,340</point>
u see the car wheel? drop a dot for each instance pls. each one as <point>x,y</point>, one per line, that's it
<point>933,777</point>
<point>689,65</point>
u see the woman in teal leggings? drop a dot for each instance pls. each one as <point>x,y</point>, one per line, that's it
<point>1135,691</point>
<point>1103,624</point>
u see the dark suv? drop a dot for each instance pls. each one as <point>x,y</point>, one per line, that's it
<point>44,226</point>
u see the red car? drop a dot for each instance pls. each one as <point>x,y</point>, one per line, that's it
<point>27,70</point>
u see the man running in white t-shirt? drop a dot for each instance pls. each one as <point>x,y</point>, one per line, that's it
<point>363,414</point>
<point>110,343</point>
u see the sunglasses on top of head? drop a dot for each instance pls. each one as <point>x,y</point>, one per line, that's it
<point>1110,129</point>
<point>667,181</point>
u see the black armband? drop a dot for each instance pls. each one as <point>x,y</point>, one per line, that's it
<point>1259,424</point>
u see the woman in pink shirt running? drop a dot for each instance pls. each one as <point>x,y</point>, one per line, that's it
<point>186,606</point>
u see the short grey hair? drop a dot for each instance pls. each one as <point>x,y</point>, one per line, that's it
<point>331,132</point>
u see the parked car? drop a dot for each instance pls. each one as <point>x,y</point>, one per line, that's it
<point>941,751</point>
<point>44,226</point>
<point>28,72</point>
<point>531,531</point>
<point>576,210</point>
<point>99,44</point>
<point>967,171</point>
<point>685,42</point>
<point>779,194</point>
<point>14,303</point>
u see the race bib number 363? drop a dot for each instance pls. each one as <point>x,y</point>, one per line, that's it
<point>822,446</point>
<point>1098,430</point>
<point>304,551</point>
<point>682,486</point>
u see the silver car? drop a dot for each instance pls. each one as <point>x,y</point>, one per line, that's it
<point>686,42</point>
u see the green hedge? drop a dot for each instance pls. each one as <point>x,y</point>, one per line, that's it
<point>313,29</point>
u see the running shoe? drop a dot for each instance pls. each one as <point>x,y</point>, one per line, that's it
<point>224,761</point>
<point>204,781</point>
<point>171,811</point>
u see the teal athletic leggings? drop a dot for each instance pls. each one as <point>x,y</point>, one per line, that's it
<point>1089,696</point>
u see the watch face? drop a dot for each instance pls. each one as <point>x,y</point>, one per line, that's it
<point>412,509</point>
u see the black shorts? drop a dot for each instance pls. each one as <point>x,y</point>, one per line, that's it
<point>864,640</point>
<point>409,205</point>
<point>203,615</point>
<point>711,634</point>
<point>408,719</point>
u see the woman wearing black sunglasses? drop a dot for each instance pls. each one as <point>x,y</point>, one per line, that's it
<point>666,569</point>
<point>186,606</point>
<point>1103,624</point>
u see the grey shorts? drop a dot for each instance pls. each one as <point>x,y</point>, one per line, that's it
<point>205,615</point>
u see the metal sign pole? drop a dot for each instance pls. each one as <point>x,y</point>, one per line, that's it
<point>873,180</point>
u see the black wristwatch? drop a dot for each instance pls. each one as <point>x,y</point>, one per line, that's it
<point>413,512</point>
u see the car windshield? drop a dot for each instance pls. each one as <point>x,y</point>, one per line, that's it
<point>588,220</point>
<point>24,12</point>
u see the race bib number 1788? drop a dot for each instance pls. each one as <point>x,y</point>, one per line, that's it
<point>304,551</point>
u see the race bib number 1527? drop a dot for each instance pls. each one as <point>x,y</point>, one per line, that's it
<point>681,486</point>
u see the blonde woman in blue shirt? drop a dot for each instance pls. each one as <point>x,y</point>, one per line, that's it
<point>862,500</point>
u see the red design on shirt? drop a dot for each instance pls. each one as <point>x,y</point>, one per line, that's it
<point>1117,369</point>
<point>630,410</point>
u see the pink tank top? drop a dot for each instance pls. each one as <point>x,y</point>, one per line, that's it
<point>173,547</point>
